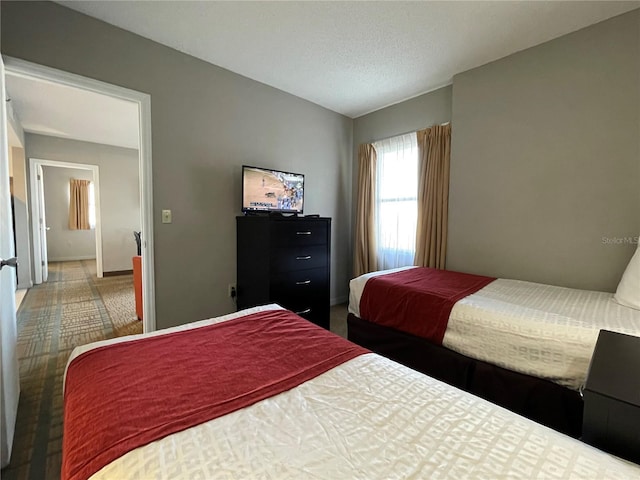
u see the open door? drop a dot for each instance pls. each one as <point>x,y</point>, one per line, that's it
<point>42,229</point>
<point>9,375</point>
<point>38,222</point>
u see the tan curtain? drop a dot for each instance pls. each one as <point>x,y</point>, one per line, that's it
<point>365,248</point>
<point>79,205</point>
<point>434,153</point>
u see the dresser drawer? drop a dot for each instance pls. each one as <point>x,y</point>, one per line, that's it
<point>298,258</point>
<point>302,285</point>
<point>315,312</point>
<point>300,232</point>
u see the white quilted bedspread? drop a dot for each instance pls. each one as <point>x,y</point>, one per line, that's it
<point>369,418</point>
<point>540,330</point>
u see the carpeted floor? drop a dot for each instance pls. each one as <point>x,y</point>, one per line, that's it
<point>338,319</point>
<point>72,308</point>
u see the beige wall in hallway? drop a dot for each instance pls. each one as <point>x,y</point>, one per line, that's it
<point>64,244</point>
<point>23,240</point>
<point>119,190</point>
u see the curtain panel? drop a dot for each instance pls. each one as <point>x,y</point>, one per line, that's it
<point>365,236</point>
<point>434,155</point>
<point>79,204</point>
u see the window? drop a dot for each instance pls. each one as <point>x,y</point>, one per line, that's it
<point>82,212</point>
<point>396,200</point>
<point>92,207</point>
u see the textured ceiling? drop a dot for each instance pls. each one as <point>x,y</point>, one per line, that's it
<point>351,57</point>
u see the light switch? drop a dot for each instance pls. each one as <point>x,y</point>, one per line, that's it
<point>166,216</point>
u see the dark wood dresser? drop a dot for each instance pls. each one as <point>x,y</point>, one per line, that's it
<point>285,260</point>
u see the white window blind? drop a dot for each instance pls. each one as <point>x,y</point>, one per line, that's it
<point>92,207</point>
<point>396,200</point>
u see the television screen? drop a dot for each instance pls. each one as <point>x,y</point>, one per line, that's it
<point>265,190</point>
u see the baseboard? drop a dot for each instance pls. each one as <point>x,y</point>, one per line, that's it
<point>339,300</point>
<point>71,259</point>
<point>115,273</point>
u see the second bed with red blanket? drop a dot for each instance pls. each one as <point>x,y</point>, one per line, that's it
<point>393,300</point>
<point>523,345</point>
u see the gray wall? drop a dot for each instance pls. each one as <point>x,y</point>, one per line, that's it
<point>64,244</point>
<point>545,160</point>
<point>119,191</point>
<point>415,114</point>
<point>206,123</point>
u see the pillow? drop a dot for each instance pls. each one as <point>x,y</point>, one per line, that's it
<point>628,292</point>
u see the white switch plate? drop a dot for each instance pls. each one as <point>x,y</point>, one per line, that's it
<point>166,216</point>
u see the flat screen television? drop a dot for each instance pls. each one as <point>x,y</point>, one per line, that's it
<point>266,190</point>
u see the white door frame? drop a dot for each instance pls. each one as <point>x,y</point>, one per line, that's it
<point>26,69</point>
<point>9,373</point>
<point>34,163</point>
<point>42,230</point>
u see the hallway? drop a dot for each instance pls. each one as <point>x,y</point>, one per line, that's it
<point>73,308</point>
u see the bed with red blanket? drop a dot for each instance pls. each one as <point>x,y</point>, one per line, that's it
<point>523,345</point>
<point>265,394</point>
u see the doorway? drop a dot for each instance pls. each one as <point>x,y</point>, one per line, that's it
<point>32,71</point>
<point>38,213</point>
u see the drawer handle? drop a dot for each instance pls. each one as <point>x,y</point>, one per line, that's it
<point>302,312</point>
<point>305,257</point>
<point>303,233</point>
<point>306,282</point>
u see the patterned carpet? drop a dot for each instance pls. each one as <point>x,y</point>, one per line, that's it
<point>73,308</point>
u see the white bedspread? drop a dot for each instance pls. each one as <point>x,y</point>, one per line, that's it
<point>541,330</point>
<point>369,418</point>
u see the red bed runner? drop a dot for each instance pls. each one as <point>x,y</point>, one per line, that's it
<point>126,395</point>
<point>417,300</point>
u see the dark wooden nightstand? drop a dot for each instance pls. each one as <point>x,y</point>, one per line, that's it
<point>612,396</point>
